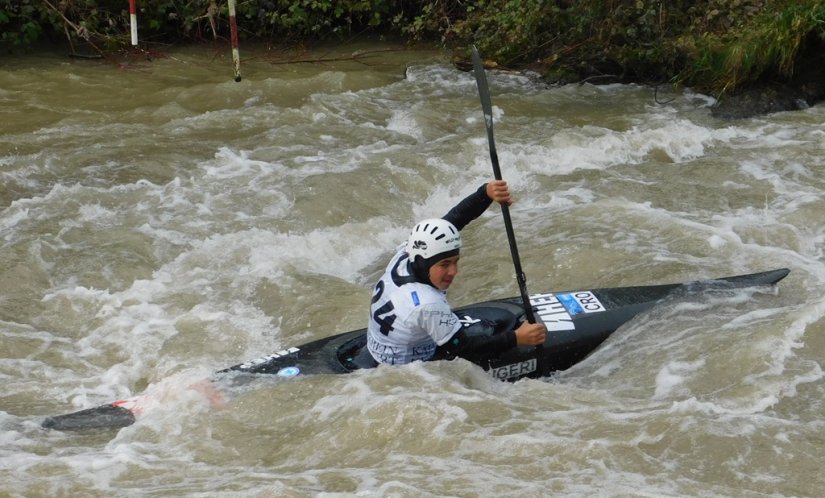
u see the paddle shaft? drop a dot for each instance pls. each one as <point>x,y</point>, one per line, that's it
<point>487,107</point>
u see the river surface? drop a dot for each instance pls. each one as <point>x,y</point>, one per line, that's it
<point>159,221</point>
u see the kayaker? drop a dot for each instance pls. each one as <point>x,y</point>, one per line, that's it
<point>410,318</point>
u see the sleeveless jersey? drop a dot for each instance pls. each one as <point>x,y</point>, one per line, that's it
<point>408,319</point>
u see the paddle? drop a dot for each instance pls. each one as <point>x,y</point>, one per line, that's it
<point>487,107</point>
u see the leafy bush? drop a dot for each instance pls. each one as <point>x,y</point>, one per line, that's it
<point>510,31</point>
<point>20,23</point>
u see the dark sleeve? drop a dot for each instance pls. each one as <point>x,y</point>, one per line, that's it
<point>470,208</point>
<point>475,346</point>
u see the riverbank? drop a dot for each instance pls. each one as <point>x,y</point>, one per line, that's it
<point>805,89</point>
<point>715,47</point>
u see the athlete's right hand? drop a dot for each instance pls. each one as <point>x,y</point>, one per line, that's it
<point>498,191</point>
<point>531,334</point>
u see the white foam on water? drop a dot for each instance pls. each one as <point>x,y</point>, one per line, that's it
<point>403,121</point>
<point>592,147</point>
<point>13,216</point>
<point>222,271</point>
<point>234,165</point>
<point>672,375</point>
<point>435,80</point>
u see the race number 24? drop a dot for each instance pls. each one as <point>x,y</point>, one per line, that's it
<point>384,315</point>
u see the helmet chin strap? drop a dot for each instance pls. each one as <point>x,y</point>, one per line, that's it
<point>420,267</point>
<point>420,270</point>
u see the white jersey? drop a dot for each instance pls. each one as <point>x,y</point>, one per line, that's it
<point>408,319</point>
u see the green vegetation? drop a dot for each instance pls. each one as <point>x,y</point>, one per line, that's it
<point>769,45</point>
<point>713,45</point>
<point>105,23</point>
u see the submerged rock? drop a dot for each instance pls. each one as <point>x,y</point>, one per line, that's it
<point>761,100</point>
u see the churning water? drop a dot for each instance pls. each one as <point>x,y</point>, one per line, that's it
<point>159,221</point>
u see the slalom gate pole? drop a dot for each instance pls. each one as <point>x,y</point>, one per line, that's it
<point>133,21</point>
<point>233,33</point>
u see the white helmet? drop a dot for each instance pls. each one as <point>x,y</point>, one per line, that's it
<point>433,237</point>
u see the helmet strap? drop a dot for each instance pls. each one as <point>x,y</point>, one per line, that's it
<point>420,267</point>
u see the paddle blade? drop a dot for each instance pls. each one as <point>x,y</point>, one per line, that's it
<point>483,91</point>
<point>487,109</point>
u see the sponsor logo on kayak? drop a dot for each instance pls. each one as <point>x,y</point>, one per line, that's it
<point>514,370</point>
<point>552,312</point>
<point>580,302</point>
<point>557,311</point>
<point>266,359</point>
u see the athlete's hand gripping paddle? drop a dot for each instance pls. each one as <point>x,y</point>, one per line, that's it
<point>487,107</point>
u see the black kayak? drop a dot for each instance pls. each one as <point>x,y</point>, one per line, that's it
<point>577,323</point>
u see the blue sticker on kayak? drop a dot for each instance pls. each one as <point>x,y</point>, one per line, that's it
<point>570,304</point>
<point>580,302</point>
<point>289,372</point>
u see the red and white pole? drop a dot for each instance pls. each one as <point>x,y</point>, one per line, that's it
<point>133,20</point>
<point>233,34</point>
